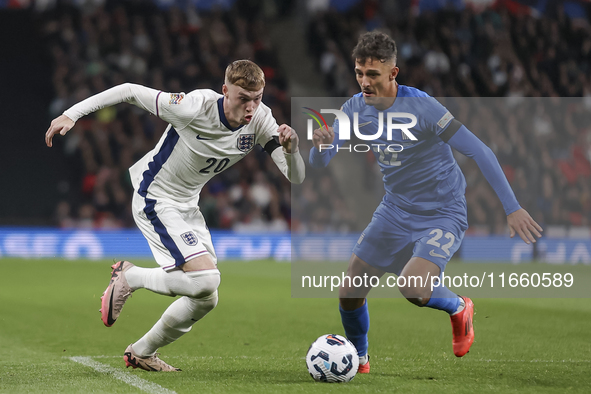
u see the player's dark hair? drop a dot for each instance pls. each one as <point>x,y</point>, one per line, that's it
<point>376,45</point>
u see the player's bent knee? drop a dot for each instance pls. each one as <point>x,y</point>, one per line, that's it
<point>414,293</point>
<point>408,292</point>
<point>184,312</point>
<point>206,304</point>
<point>204,283</point>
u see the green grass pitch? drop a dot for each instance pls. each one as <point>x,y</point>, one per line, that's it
<point>256,339</point>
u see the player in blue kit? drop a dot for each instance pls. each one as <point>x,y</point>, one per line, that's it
<point>422,218</point>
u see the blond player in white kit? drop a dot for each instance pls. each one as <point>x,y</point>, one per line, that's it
<point>208,133</point>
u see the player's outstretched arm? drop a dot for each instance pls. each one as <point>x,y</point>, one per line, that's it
<point>288,158</point>
<point>62,124</point>
<point>138,95</point>
<point>521,222</point>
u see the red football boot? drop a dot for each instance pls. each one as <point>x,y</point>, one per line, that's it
<point>364,368</point>
<point>463,330</point>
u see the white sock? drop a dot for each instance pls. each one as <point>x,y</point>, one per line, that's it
<point>363,359</point>
<point>460,307</point>
<point>174,323</point>
<point>193,284</point>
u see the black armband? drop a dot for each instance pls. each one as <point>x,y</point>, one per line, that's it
<point>272,145</point>
<point>451,130</point>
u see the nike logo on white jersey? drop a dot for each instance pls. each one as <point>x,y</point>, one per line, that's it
<point>432,253</point>
<point>364,124</point>
<point>199,137</point>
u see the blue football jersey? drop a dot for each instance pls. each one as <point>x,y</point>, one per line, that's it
<point>424,175</point>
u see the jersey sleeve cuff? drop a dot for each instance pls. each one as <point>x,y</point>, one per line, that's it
<point>511,209</point>
<point>70,115</point>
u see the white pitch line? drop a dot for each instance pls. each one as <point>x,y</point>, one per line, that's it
<point>131,380</point>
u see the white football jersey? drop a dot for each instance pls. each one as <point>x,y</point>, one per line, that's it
<point>198,144</point>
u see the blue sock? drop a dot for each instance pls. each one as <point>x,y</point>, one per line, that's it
<point>356,324</point>
<point>444,299</point>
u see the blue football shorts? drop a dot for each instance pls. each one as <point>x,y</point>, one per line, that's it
<point>394,236</point>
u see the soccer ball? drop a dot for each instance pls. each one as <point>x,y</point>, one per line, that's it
<point>332,358</point>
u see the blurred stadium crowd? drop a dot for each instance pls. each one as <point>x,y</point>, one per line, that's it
<point>544,146</point>
<point>173,50</point>
<point>498,51</point>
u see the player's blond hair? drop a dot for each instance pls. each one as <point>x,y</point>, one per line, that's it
<point>245,74</point>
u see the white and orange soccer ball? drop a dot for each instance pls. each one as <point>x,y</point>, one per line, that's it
<point>332,358</point>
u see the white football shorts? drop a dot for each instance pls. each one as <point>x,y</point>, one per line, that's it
<point>175,235</point>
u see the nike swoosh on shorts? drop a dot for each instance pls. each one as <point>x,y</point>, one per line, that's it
<point>432,253</point>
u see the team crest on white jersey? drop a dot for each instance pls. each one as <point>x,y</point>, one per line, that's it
<point>189,238</point>
<point>245,142</point>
